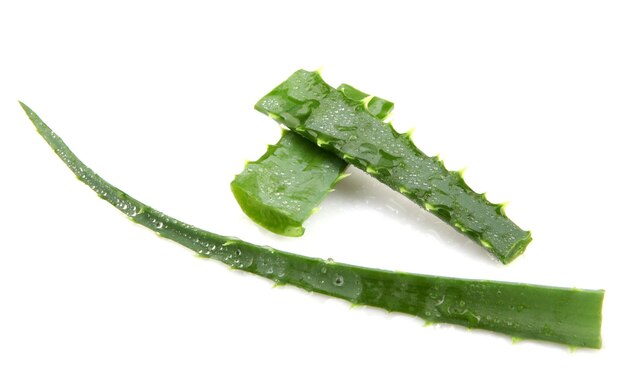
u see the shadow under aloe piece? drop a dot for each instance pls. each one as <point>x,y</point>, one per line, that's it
<point>281,189</point>
<point>568,316</point>
<point>313,109</point>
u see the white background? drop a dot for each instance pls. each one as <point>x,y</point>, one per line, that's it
<point>158,97</point>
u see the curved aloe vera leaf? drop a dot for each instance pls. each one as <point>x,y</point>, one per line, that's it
<point>568,316</point>
<point>313,109</point>
<point>281,189</point>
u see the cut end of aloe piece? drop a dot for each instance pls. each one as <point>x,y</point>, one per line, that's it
<point>332,119</point>
<point>272,219</point>
<point>518,248</point>
<point>280,190</point>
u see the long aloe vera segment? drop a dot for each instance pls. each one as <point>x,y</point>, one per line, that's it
<point>567,316</point>
<point>281,189</point>
<point>310,107</point>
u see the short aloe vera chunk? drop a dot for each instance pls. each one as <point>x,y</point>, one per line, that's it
<point>281,189</point>
<point>310,107</point>
<point>568,316</point>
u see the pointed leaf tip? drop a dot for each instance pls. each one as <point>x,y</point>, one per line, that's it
<point>342,176</point>
<point>462,171</point>
<point>501,208</point>
<point>366,101</point>
<point>25,107</point>
<point>439,160</point>
<point>321,142</point>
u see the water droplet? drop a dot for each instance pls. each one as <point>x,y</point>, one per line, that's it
<point>338,280</point>
<point>440,301</point>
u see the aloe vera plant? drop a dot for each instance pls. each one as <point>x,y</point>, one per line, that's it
<point>281,189</point>
<point>310,107</point>
<point>568,316</point>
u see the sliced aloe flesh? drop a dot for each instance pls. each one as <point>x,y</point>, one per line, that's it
<point>310,107</point>
<point>281,189</point>
<point>568,316</point>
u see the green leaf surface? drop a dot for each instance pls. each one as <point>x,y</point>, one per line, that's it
<point>310,107</point>
<point>568,316</point>
<point>281,189</point>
